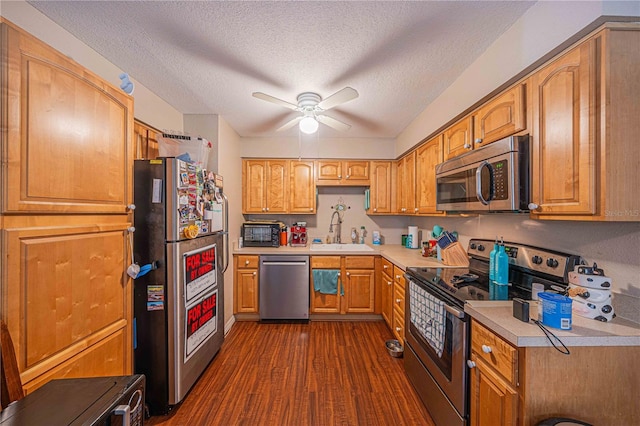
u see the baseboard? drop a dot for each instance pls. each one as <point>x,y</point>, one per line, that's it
<point>229,324</point>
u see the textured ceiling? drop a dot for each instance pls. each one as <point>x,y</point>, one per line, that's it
<point>209,57</point>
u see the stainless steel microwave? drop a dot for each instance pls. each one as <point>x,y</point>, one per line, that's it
<point>494,178</point>
<point>261,234</point>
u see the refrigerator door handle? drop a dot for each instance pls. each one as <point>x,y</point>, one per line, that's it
<point>225,231</point>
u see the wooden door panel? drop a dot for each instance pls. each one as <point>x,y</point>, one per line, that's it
<point>66,284</point>
<point>357,172</point>
<point>359,291</point>
<point>427,158</point>
<point>564,144</point>
<point>69,135</point>
<point>254,175</point>
<point>277,186</point>
<point>380,187</point>
<point>302,188</point>
<point>246,291</point>
<point>501,117</point>
<point>329,170</point>
<point>458,138</point>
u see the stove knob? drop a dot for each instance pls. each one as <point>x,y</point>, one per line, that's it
<point>473,246</point>
<point>480,247</point>
<point>552,263</point>
<point>536,260</point>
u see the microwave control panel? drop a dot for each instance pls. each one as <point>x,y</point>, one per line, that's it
<point>500,180</point>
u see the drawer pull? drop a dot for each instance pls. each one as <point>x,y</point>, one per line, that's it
<point>254,274</point>
<point>246,262</point>
<point>398,329</point>
<point>389,282</point>
<point>486,349</point>
<point>471,364</point>
<point>398,301</point>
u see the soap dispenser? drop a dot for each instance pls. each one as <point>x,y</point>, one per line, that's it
<point>362,234</point>
<point>354,236</point>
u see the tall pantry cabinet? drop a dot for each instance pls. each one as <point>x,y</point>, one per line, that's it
<point>66,186</point>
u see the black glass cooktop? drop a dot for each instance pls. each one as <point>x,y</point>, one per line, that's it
<point>463,284</point>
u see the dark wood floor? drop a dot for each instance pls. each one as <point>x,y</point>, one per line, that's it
<point>321,373</point>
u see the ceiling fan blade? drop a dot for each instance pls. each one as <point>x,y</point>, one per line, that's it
<point>289,124</point>
<point>340,97</point>
<point>333,123</point>
<point>276,101</point>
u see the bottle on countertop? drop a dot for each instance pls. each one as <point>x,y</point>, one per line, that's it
<point>502,272</point>
<point>354,236</point>
<point>492,262</point>
<point>363,232</point>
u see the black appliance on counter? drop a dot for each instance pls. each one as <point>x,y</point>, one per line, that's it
<point>437,329</point>
<point>261,234</point>
<point>99,401</point>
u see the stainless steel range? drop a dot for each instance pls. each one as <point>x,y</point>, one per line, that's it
<point>438,332</point>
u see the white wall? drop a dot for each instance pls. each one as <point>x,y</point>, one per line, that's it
<point>315,146</point>
<point>230,167</point>
<point>148,107</point>
<point>541,29</point>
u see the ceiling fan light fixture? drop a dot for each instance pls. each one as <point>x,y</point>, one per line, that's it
<point>308,125</point>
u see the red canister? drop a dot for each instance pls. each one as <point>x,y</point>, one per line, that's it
<point>283,238</point>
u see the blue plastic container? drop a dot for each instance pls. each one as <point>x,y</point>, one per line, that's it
<point>555,310</point>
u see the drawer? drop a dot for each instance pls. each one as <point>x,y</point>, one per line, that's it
<point>387,267</point>
<point>398,276</point>
<point>398,298</point>
<point>246,261</point>
<point>387,279</point>
<point>325,262</point>
<point>494,351</point>
<point>359,262</point>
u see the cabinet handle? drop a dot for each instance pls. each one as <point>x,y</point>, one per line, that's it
<point>385,266</point>
<point>375,209</point>
<point>415,209</point>
<point>348,274</point>
<point>471,364</point>
<point>389,282</point>
<point>533,206</point>
<point>398,301</point>
<point>267,208</point>
<point>254,274</point>
<point>263,209</point>
<point>486,349</point>
<point>467,146</point>
<point>397,277</point>
<point>339,176</point>
<point>246,262</point>
<point>338,273</point>
<point>478,140</point>
<point>310,209</point>
<point>398,329</point>
<point>131,207</point>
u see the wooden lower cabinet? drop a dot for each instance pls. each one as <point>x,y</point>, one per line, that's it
<point>246,284</point>
<point>524,385</point>
<point>386,290</point>
<point>398,303</point>
<point>356,280</point>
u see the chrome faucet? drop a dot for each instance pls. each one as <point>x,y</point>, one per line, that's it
<point>336,239</point>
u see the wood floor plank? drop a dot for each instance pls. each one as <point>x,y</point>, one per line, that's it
<point>320,373</point>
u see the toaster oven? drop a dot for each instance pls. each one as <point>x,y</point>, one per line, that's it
<point>261,234</point>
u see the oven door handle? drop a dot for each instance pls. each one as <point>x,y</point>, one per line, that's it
<point>454,311</point>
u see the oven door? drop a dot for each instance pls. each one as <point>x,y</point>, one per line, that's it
<point>438,333</point>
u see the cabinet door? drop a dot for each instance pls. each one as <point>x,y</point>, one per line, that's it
<point>329,170</point>
<point>246,291</point>
<point>428,156</point>
<point>68,133</point>
<point>406,184</point>
<point>302,187</point>
<point>564,117</point>
<point>359,291</point>
<point>458,138</point>
<point>356,172</point>
<point>145,141</point>
<point>386,287</point>
<point>380,192</point>
<point>276,186</point>
<point>492,401</point>
<point>254,175</point>
<point>501,117</point>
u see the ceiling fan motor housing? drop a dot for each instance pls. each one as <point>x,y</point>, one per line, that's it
<point>308,102</point>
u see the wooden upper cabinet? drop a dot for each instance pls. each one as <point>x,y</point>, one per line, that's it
<point>302,187</point>
<point>265,186</point>
<point>564,146</point>
<point>145,141</point>
<point>380,191</point>
<point>339,172</point>
<point>428,156</point>
<point>67,133</point>
<point>458,139</point>
<point>405,184</point>
<point>500,117</point>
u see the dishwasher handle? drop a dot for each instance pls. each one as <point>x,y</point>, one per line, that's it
<point>282,262</point>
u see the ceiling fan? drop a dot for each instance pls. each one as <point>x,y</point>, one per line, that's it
<point>311,105</point>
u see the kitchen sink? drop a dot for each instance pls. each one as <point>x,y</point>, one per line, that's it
<point>340,247</point>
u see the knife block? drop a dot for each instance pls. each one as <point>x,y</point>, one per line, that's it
<point>455,255</point>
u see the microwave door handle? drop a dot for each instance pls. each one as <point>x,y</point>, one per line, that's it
<point>479,183</point>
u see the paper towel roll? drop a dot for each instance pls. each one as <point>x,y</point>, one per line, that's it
<point>414,237</point>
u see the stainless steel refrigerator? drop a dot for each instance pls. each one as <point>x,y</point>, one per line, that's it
<point>180,240</point>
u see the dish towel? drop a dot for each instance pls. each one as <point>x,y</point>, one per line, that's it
<point>326,281</point>
<point>428,316</point>
<point>367,199</point>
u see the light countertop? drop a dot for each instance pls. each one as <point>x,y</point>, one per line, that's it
<point>498,316</point>
<point>395,253</point>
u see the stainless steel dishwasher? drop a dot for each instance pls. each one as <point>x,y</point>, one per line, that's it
<point>284,287</point>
